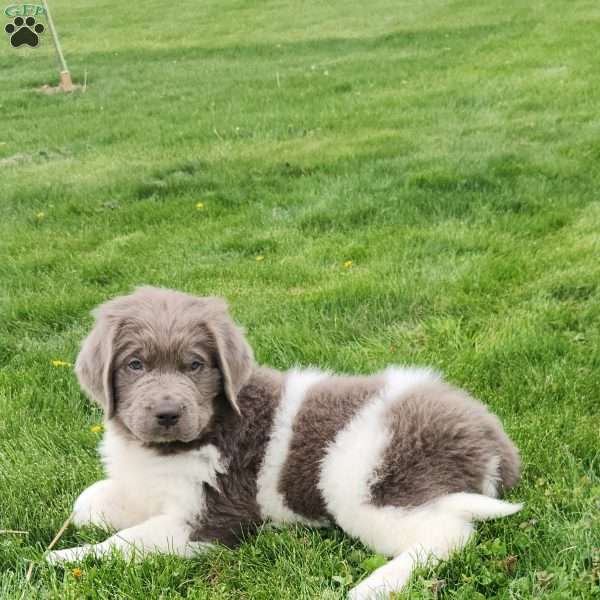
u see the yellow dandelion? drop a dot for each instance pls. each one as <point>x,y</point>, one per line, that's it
<point>348,264</point>
<point>40,215</point>
<point>200,205</point>
<point>61,363</point>
<point>76,572</point>
<point>97,428</point>
<point>260,258</point>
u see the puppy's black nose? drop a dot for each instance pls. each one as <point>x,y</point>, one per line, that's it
<point>167,418</point>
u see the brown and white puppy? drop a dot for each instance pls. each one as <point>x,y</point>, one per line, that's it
<point>202,444</point>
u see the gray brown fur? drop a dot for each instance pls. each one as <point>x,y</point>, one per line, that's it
<point>232,510</point>
<point>166,331</point>
<point>327,408</point>
<point>441,442</point>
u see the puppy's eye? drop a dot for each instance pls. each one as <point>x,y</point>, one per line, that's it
<point>195,366</point>
<point>136,365</point>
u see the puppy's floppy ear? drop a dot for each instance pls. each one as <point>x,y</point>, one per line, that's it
<point>94,365</point>
<point>234,356</point>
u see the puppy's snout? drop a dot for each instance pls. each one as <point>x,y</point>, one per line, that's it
<point>167,417</point>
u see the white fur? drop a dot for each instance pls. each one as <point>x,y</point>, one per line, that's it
<point>476,507</point>
<point>396,574</point>
<point>162,484</point>
<point>400,380</point>
<point>349,464</point>
<point>164,533</point>
<point>270,500</point>
<point>149,498</point>
<point>411,536</point>
<point>107,505</point>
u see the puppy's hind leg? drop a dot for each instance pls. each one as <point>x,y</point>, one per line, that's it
<point>435,539</point>
<point>429,533</point>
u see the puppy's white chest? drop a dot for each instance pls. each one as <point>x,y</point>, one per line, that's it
<point>160,483</point>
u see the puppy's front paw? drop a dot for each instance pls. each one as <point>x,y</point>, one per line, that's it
<point>68,555</point>
<point>106,504</point>
<point>102,505</point>
<point>91,505</point>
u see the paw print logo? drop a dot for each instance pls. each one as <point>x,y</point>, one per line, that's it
<point>24,31</point>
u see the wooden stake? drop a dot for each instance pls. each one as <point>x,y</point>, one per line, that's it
<point>66,84</point>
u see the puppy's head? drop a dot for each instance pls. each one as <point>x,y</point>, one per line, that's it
<point>159,361</point>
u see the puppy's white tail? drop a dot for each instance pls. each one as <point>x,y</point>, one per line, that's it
<point>476,507</point>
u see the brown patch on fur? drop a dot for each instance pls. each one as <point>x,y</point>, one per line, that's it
<point>329,405</point>
<point>232,510</point>
<point>441,442</point>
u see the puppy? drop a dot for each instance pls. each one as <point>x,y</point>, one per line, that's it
<point>202,445</point>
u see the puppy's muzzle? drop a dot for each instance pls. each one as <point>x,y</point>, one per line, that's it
<point>167,413</point>
<point>168,417</point>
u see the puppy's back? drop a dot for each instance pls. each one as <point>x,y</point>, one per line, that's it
<point>401,438</point>
<point>442,441</point>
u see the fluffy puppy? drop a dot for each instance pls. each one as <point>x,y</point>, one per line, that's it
<point>201,444</point>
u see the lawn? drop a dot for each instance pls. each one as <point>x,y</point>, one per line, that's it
<point>366,183</point>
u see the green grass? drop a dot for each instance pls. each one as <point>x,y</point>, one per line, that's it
<point>451,150</point>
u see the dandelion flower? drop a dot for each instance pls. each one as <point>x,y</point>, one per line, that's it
<point>347,264</point>
<point>97,428</point>
<point>76,572</point>
<point>61,363</point>
<point>200,205</point>
<point>260,258</point>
